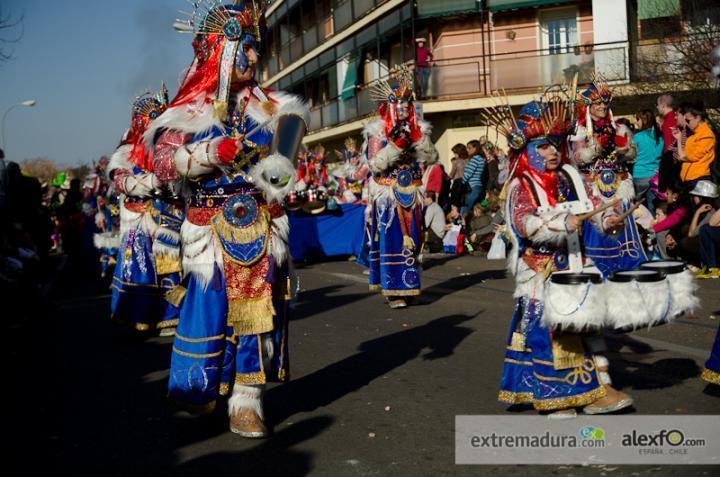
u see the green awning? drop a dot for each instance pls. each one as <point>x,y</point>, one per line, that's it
<point>441,8</point>
<point>648,9</point>
<point>497,5</point>
<point>348,87</point>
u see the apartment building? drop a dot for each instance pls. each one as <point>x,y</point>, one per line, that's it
<point>331,51</point>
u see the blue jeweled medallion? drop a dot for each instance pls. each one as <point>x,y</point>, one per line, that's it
<point>241,211</point>
<point>404,178</point>
<point>232,30</point>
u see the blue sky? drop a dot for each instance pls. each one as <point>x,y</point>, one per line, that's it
<point>84,61</point>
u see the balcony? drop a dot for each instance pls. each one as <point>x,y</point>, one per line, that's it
<point>478,76</point>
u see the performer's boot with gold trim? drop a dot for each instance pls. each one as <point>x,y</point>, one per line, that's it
<point>614,400</point>
<point>246,412</point>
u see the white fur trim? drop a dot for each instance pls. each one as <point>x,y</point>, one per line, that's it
<point>385,157</point>
<point>195,118</point>
<point>106,240</point>
<point>288,104</point>
<point>425,150</point>
<point>200,252</point>
<point>140,185</point>
<point>162,249</point>
<point>246,397</point>
<point>120,159</point>
<point>601,361</point>
<point>574,307</point>
<point>548,227</point>
<point>274,165</point>
<point>636,305</point>
<point>683,288</point>
<point>280,236</point>
<point>100,220</point>
<point>198,158</point>
<point>129,220</point>
<point>626,190</point>
<point>604,378</point>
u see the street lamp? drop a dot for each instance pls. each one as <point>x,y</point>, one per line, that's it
<point>28,104</point>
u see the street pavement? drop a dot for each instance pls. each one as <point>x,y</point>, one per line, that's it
<point>374,391</point>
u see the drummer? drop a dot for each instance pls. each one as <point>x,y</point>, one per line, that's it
<point>550,369</point>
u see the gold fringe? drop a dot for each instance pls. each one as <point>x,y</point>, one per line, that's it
<point>515,398</point>
<point>175,295</point>
<point>233,234</point>
<point>168,323</point>
<point>408,242</point>
<point>224,389</point>
<point>401,292</point>
<point>374,288</point>
<point>571,401</point>
<point>250,378</point>
<point>712,377</point>
<point>517,343</point>
<point>167,264</point>
<point>251,317</point>
<point>568,351</point>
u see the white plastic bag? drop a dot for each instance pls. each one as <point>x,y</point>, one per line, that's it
<point>497,248</point>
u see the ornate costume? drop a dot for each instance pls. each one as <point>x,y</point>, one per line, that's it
<point>600,149</point>
<point>148,264</point>
<point>546,365</point>
<point>711,373</point>
<point>394,146</point>
<point>230,141</point>
<point>352,174</point>
<point>107,219</point>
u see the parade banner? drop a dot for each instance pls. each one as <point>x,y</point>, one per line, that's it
<point>619,439</point>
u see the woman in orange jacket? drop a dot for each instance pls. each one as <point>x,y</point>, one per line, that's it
<point>699,151</point>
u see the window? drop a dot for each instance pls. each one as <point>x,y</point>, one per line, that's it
<point>558,29</point>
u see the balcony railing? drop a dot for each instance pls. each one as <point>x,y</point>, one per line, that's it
<point>478,76</point>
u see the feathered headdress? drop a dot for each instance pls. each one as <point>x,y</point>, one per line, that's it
<point>548,118</point>
<point>220,31</point>
<point>389,97</point>
<point>145,109</point>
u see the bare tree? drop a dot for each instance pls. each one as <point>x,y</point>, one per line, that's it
<point>11,31</point>
<point>41,168</point>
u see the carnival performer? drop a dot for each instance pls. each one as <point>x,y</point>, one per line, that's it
<point>548,367</point>
<point>107,218</point>
<point>352,173</point>
<point>711,373</point>
<point>147,273</point>
<point>230,140</point>
<point>601,149</point>
<point>395,145</point>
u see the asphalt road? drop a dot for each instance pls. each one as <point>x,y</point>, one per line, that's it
<point>374,391</point>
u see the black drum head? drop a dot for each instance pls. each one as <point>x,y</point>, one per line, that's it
<point>665,267</point>
<point>640,276</point>
<point>575,278</point>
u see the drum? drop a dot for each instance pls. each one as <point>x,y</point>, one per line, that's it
<point>574,301</point>
<point>315,203</point>
<point>293,201</point>
<point>683,300</point>
<point>637,299</point>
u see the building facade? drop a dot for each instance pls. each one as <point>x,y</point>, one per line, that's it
<point>331,51</point>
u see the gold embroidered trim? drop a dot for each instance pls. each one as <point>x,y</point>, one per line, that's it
<point>251,316</point>
<point>199,340</point>
<point>234,234</point>
<point>571,401</point>
<point>193,355</point>
<point>168,323</point>
<point>517,342</point>
<point>712,377</point>
<point>515,361</point>
<point>167,264</point>
<point>568,351</point>
<point>401,292</point>
<point>175,295</point>
<point>250,378</point>
<point>515,398</point>
<point>224,389</point>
